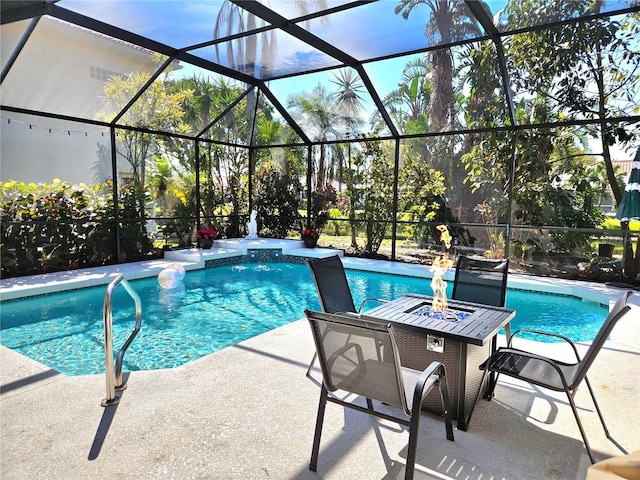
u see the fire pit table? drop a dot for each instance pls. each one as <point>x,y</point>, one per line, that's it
<point>461,336</point>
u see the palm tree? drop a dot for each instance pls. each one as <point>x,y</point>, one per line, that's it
<point>449,21</point>
<point>409,103</point>
<point>440,27</point>
<point>314,113</point>
<point>348,103</point>
<point>347,99</point>
<point>258,51</point>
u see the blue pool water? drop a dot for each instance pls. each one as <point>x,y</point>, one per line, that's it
<point>217,307</point>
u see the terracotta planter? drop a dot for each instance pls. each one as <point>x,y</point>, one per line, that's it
<point>205,243</point>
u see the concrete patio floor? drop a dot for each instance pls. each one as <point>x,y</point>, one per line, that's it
<point>248,412</point>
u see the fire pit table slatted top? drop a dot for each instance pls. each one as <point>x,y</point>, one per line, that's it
<point>476,326</point>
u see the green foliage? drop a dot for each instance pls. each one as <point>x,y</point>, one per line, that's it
<point>57,226</point>
<point>334,223</point>
<point>134,242</point>
<point>322,200</point>
<point>408,105</point>
<point>158,108</point>
<point>224,169</point>
<point>587,70</point>
<point>484,106</point>
<point>277,198</point>
<point>420,194</point>
<point>371,189</point>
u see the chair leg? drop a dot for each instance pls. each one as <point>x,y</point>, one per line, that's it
<point>595,403</point>
<point>313,464</point>
<point>414,423</point>
<point>313,360</point>
<point>492,386</point>
<point>582,432</point>
<point>448,416</point>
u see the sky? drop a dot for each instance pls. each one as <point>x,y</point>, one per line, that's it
<point>357,32</point>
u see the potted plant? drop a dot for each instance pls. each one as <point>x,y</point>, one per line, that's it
<point>205,237</point>
<point>310,237</point>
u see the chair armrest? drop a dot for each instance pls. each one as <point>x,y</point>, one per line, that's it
<point>532,356</point>
<point>547,334</point>
<point>423,381</point>
<point>341,351</point>
<point>371,300</point>
<point>363,317</point>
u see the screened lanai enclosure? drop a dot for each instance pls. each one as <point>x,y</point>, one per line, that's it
<point>127,125</point>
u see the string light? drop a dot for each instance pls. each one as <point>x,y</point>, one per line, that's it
<point>33,127</point>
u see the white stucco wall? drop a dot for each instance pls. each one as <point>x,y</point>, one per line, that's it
<point>75,61</point>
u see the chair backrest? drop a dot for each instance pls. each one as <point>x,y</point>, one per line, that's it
<point>332,285</point>
<point>481,280</point>
<point>618,311</point>
<point>358,355</point>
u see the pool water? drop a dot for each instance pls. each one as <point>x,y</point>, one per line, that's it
<point>218,307</point>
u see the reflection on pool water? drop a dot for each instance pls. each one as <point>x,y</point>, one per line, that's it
<point>218,307</point>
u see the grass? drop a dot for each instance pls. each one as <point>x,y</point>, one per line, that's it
<point>614,224</point>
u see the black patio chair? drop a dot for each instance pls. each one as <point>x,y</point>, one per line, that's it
<point>553,374</point>
<point>333,289</point>
<point>358,355</point>
<point>481,280</point>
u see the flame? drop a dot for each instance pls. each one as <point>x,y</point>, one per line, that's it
<point>439,267</point>
<point>445,237</point>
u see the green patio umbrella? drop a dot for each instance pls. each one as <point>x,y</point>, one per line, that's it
<point>629,208</point>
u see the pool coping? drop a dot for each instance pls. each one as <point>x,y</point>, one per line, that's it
<point>194,259</point>
<point>190,259</point>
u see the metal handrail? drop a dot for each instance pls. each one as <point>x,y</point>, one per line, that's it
<point>114,379</point>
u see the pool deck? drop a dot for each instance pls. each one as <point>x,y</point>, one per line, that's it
<point>248,411</point>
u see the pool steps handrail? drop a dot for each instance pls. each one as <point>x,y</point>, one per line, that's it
<point>114,379</point>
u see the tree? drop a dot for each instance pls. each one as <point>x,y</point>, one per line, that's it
<point>370,189</point>
<point>449,21</point>
<point>421,191</point>
<point>588,69</point>
<point>409,104</point>
<point>315,114</point>
<point>156,109</point>
<point>347,102</point>
<point>277,196</point>
<point>440,27</point>
<point>224,169</point>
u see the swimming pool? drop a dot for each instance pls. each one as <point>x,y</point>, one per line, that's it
<point>217,307</point>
